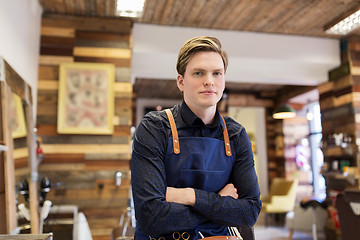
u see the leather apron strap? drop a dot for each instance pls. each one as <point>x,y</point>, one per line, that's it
<point>226,139</point>
<point>173,131</point>
<point>176,137</point>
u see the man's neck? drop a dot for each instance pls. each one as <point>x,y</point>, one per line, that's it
<point>207,115</point>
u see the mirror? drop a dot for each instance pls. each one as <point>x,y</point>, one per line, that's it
<point>18,141</point>
<point>19,131</point>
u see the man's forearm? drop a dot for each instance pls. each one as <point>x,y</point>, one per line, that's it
<point>184,196</point>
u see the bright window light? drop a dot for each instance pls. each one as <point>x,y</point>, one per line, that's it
<point>346,25</point>
<point>130,8</point>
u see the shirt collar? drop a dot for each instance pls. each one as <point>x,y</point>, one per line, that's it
<point>190,119</point>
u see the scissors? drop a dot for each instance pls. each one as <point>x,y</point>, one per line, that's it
<point>160,238</point>
<point>183,236</point>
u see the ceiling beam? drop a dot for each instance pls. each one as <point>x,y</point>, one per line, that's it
<point>253,57</point>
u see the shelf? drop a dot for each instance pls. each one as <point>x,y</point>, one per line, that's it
<point>45,236</point>
<point>335,181</point>
<point>334,175</point>
<point>335,150</point>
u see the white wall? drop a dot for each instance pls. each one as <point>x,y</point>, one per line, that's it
<point>20,22</point>
<point>253,119</point>
<point>253,57</point>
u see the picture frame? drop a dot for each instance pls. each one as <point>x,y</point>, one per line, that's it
<point>86,98</point>
<point>17,117</point>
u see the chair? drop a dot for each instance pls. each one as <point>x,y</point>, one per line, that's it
<point>309,216</point>
<point>348,207</point>
<point>247,233</point>
<point>281,198</point>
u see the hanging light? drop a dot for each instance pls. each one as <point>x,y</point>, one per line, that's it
<point>283,112</point>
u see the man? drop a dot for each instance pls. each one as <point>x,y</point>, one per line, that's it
<point>192,170</point>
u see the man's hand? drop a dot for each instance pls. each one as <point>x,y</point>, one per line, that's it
<point>229,190</point>
<point>184,196</point>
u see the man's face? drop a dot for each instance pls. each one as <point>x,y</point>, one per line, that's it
<point>204,80</point>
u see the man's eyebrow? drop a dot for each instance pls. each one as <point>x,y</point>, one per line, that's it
<point>202,69</point>
<point>198,69</point>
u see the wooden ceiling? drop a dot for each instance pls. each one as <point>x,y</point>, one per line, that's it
<point>293,17</point>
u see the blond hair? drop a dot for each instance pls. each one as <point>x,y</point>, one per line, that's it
<point>199,44</point>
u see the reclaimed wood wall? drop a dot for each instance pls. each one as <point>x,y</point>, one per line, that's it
<point>340,96</point>
<point>340,105</point>
<point>340,117</point>
<point>85,165</point>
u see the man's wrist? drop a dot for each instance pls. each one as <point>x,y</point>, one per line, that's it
<point>190,193</point>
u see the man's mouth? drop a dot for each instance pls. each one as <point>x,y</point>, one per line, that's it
<point>208,92</point>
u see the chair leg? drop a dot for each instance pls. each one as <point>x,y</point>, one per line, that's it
<point>266,220</point>
<point>314,230</point>
<point>291,233</point>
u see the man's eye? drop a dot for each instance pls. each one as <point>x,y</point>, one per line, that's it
<point>197,73</point>
<point>217,73</point>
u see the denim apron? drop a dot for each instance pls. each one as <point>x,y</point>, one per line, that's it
<point>201,163</point>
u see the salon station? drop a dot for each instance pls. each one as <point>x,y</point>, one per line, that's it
<point>77,77</point>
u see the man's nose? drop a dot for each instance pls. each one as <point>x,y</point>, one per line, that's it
<point>209,80</point>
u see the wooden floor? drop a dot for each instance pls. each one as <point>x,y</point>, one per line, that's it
<point>275,231</point>
<point>279,232</point>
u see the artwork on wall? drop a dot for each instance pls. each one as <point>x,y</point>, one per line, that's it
<point>17,117</point>
<point>86,98</point>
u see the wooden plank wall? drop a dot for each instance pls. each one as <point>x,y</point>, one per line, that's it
<point>275,146</point>
<point>340,113</point>
<point>85,165</point>
<point>340,96</point>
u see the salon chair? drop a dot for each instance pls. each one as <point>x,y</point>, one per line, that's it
<point>281,198</point>
<point>313,203</point>
<point>348,207</point>
<point>247,233</point>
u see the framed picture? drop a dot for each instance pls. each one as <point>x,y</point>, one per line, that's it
<point>17,117</point>
<point>86,98</point>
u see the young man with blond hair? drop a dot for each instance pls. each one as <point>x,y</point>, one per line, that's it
<point>192,169</point>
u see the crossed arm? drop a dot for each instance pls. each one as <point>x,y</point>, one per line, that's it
<point>186,196</point>
<point>160,209</point>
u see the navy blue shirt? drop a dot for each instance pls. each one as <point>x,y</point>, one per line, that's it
<point>154,215</point>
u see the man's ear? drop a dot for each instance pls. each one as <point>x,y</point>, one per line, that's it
<point>180,82</point>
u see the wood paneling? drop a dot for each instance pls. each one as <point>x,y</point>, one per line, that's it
<point>57,32</point>
<point>113,25</point>
<point>85,165</point>
<point>340,116</point>
<point>102,52</point>
<point>340,97</point>
<point>283,17</point>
